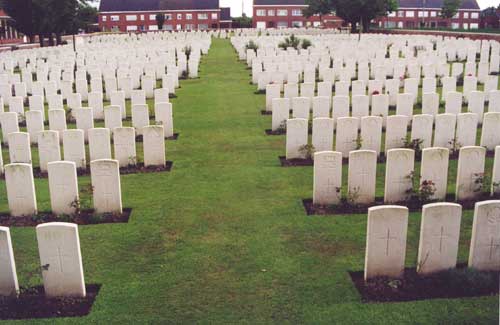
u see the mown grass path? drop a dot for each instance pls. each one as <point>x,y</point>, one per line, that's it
<point>223,238</point>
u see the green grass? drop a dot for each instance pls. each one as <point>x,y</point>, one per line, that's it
<point>223,238</point>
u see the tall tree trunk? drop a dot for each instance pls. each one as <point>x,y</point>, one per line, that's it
<point>41,40</point>
<point>51,39</point>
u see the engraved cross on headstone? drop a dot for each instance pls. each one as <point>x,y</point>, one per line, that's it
<point>388,238</point>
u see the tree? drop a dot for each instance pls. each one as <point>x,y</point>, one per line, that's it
<point>354,11</point>
<point>489,18</point>
<point>160,20</point>
<point>450,8</point>
<point>318,7</point>
<point>363,11</point>
<point>242,22</point>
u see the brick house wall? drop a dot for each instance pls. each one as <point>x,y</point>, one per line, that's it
<point>284,16</point>
<point>430,18</point>
<point>146,20</point>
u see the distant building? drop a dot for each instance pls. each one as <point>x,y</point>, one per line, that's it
<point>140,15</point>
<point>225,18</point>
<point>427,14</point>
<point>8,34</point>
<point>288,13</point>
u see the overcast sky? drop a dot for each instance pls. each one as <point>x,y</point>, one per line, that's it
<point>236,5</point>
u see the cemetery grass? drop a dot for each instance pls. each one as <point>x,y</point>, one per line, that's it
<point>223,238</point>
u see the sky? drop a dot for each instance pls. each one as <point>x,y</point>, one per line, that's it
<point>236,5</point>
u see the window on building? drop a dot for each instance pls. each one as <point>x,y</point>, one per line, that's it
<point>115,18</point>
<point>202,26</point>
<point>282,12</point>
<point>131,28</point>
<point>433,14</point>
<point>401,13</point>
<point>270,12</point>
<point>152,17</point>
<point>142,17</point>
<point>261,12</point>
<point>131,17</point>
<point>410,13</point>
<point>179,16</point>
<point>392,14</point>
<point>282,24</point>
<point>466,15</point>
<point>296,24</point>
<point>189,17</point>
<point>423,14</point>
<point>457,15</point>
<point>202,16</point>
<point>168,16</point>
<point>455,25</point>
<point>474,15</point>
<point>474,26</point>
<point>296,12</point>
<point>189,26</point>
<point>214,15</point>
<point>168,27</point>
<point>153,27</point>
<point>104,18</point>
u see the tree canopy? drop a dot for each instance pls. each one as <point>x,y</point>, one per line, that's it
<point>47,18</point>
<point>450,8</point>
<point>353,11</point>
<point>160,20</point>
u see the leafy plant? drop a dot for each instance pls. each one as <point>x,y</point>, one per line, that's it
<point>422,192</point>
<point>481,182</point>
<point>350,198</point>
<point>291,41</point>
<point>415,144</point>
<point>132,161</point>
<point>307,151</point>
<point>306,43</point>
<point>282,127</point>
<point>251,45</point>
<point>359,142</point>
<point>455,146</point>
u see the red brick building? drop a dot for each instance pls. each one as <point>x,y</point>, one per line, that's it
<point>427,13</point>
<point>288,13</point>
<point>140,15</point>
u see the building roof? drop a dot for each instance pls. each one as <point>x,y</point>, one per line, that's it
<point>279,2</point>
<point>438,4</point>
<point>155,5</point>
<point>225,14</point>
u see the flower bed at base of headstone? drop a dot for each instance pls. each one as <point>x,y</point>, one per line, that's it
<point>174,137</point>
<point>264,112</point>
<point>85,217</point>
<point>413,205</point>
<point>32,303</point>
<point>131,169</point>
<point>454,283</point>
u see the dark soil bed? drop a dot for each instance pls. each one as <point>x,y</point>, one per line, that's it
<point>32,303</point>
<point>278,132</point>
<point>174,137</point>
<point>458,283</point>
<point>264,112</point>
<point>309,162</point>
<point>413,206</point>
<point>86,217</point>
<point>137,169</point>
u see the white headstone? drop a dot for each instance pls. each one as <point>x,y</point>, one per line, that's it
<point>434,168</point>
<point>327,177</point>
<point>48,148</point>
<point>99,144</point>
<point>163,116</point>
<point>63,186</point>
<point>444,133</point>
<point>281,112</point>
<point>362,176</point>
<point>347,134</point>
<point>154,145</point>
<point>386,241</point>
<point>395,132</point>
<point>485,242</point>
<point>469,173</point>
<point>61,259</point>
<point>490,136</point>
<point>19,148</point>
<point>439,235</point>
<point>322,134</point>
<point>140,117</point>
<point>9,286</point>
<point>296,137</point>
<point>105,175</point>
<point>399,167</point>
<point>20,189</point>
<point>74,147</point>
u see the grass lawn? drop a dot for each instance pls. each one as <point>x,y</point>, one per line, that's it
<point>224,238</point>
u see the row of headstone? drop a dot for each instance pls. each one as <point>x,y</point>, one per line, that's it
<point>449,131</point>
<point>60,260</point>
<point>321,106</point>
<point>63,186</point>
<point>439,239</point>
<point>399,175</point>
<point>99,146</point>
